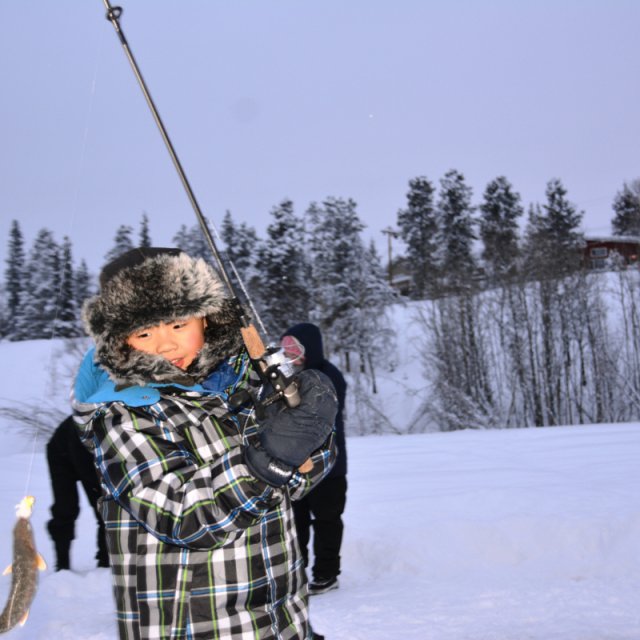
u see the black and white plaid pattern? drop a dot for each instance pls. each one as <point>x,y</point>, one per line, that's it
<point>199,548</point>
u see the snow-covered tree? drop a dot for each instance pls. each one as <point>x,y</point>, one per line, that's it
<point>552,258</point>
<point>122,243</point>
<point>626,205</point>
<point>335,245</point>
<point>145,237</point>
<point>42,287</point>
<point>14,280</point>
<point>563,219</point>
<point>284,292</point>
<point>349,288</point>
<point>456,233</point>
<point>66,322</point>
<point>418,225</point>
<point>241,244</point>
<point>82,289</point>
<point>552,237</point>
<point>500,213</point>
<point>192,241</point>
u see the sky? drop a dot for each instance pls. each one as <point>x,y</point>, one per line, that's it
<point>503,534</point>
<point>304,100</point>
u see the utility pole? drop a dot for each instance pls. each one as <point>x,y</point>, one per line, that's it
<point>389,232</point>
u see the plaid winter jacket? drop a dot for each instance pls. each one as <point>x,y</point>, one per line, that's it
<point>199,548</point>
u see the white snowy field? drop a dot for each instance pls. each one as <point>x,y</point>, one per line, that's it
<point>530,534</point>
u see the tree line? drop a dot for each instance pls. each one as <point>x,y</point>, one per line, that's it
<point>314,266</point>
<point>516,332</point>
<point>519,333</point>
<point>442,233</point>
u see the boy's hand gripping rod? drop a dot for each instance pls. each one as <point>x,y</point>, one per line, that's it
<point>265,361</point>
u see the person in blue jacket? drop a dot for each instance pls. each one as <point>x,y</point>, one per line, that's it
<point>322,508</point>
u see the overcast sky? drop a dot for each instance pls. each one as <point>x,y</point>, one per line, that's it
<point>304,99</point>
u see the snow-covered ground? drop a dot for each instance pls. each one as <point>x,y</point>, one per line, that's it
<point>527,534</point>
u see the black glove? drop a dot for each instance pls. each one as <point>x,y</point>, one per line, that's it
<point>288,436</point>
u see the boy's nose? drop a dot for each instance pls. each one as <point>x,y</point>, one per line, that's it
<point>165,343</point>
<point>166,347</point>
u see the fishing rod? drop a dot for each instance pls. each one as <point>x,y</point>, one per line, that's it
<point>270,363</point>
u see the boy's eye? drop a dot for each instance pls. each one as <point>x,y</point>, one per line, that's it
<point>142,334</point>
<point>179,325</point>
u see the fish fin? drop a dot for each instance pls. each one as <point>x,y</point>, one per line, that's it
<point>40,563</point>
<point>8,570</point>
<point>24,618</point>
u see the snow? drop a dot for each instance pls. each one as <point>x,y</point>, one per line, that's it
<point>517,534</point>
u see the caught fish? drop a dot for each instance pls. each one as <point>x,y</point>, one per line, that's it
<point>23,570</point>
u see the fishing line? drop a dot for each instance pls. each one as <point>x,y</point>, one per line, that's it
<point>70,228</point>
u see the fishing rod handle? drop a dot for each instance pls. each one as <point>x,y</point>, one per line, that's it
<point>286,388</point>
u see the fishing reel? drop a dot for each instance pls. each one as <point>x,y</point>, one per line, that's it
<point>276,369</point>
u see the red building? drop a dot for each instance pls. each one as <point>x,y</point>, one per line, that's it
<point>600,252</point>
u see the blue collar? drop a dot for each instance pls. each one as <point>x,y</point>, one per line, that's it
<point>94,386</point>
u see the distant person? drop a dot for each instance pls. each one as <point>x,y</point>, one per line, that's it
<point>69,463</point>
<point>323,507</point>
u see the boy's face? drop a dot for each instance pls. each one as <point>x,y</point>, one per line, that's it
<point>178,341</point>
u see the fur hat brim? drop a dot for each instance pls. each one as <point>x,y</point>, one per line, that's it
<point>147,291</point>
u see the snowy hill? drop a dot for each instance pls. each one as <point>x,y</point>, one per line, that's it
<point>473,535</point>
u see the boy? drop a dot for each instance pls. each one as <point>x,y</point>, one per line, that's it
<point>196,494</point>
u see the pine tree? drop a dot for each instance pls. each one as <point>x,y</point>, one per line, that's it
<point>42,286</point>
<point>534,242</point>
<point>456,234</point>
<point>336,250</point>
<point>418,228</point>
<point>626,205</point>
<point>191,240</point>
<point>500,212</point>
<point>552,258</point>
<point>240,242</point>
<point>180,238</point>
<point>284,294</point>
<point>14,278</point>
<point>241,246</point>
<point>122,243</point>
<point>145,238</point>
<point>563,219</point>
<point>228,233</point>
<point>82,290</point>
<point>65,325</point>
<point>552,238</point>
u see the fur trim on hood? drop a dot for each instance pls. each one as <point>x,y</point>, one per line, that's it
<point>146,287</point>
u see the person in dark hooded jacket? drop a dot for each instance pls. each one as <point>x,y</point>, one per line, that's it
<point>69,464</point>
<point>322,508</point>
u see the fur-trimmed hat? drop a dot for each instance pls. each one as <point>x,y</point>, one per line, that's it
<point>147,286</point>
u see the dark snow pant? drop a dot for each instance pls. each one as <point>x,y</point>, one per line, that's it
<point>69,464</point>
<point>322,509</point>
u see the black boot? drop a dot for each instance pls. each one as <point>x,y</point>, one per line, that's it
<point>62,555</point>
<point>102,556</point>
